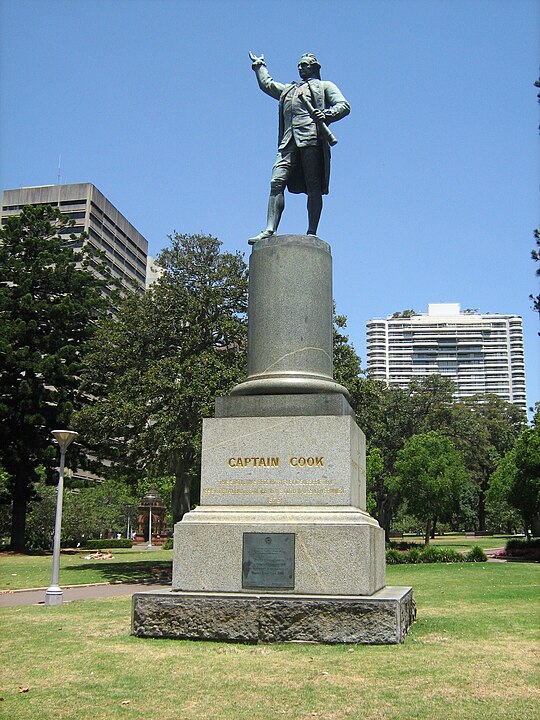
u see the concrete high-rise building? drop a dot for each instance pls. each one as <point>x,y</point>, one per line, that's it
<point>481,353</point>
<point>153,271</point>
<point>125,248</point>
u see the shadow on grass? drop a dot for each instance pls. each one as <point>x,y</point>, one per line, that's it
<point>146,572</point>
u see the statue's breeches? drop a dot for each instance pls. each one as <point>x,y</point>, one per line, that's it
<point>302,170</point>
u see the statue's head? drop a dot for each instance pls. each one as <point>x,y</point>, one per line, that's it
<point>308,66</point>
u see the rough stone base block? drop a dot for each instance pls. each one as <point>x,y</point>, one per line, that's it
<point>380,619</point>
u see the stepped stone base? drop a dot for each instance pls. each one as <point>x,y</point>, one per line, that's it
<point>380,619</point>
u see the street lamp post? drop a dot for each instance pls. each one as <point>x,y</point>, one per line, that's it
<point>54,594</point>
<point>149,546</point>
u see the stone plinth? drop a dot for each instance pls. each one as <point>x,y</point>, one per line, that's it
<point>382,618</point>
<point>298,460</point>
<point>277,475</point>
<point>337,550</point>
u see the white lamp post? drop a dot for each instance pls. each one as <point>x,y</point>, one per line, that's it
<point>149,546</point>
<point>54,594</point>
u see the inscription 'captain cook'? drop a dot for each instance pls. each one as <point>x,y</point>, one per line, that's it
<point>255,461</point>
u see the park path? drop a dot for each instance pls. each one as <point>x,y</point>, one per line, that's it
<point>36,596</point>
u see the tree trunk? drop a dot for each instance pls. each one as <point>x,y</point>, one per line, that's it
<point>182,462</point>
<point>181,503</point>
<point>482,508</point>
<point>433,528</point>
<point>18,515</point>
<point>384,517</point>
<point>428,532</point>
<point>535,525</point>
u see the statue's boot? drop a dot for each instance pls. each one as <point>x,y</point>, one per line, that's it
<point>261,236</point>
<point>276,203</point>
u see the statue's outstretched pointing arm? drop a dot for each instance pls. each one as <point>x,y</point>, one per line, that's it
<point>267,85</point>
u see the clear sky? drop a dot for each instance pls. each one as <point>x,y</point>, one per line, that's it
<point>433,193</point>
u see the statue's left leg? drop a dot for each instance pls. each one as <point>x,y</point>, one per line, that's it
<point>314,209</point>
<point>313,167</point>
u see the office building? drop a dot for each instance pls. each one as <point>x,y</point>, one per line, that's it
<point>125,248</point>
<point>481,353</point>
<point>153,271</point>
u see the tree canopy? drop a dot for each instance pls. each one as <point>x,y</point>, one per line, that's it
<point>431,475</point>
<point>50,300</point>
<point>516,479</point>
<point>156,367</point>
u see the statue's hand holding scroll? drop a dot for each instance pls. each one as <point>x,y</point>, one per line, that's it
<point>319,118</point>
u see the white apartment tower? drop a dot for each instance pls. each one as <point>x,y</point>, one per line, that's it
<point>481,353</point>
<point>125,248</point>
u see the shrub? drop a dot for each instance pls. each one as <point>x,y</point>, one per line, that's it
<point>394,557</point>
<point>476,554</point>
<point>168,544</point>
<point>527,550</point>
<point>522,544</point>
<point>401,545</point>
<point>432,554</point>
<point>107,544</point>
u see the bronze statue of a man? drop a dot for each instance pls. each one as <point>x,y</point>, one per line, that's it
<point>303,161</point>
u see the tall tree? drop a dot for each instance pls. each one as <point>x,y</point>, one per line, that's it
<point>535,254</point>
<point>517,477</point>
<point>156,368</point>
<point>49,304</point>
<point>525,491</point>
<point>484,428</point>
<point>346,361</point>
<point>500,485</point>
<point>391,415</point>
<point>431,475</point>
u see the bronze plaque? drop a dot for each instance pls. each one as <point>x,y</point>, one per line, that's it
<point>268,561</point>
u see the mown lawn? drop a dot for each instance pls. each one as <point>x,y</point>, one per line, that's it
<point>132,565</point>
<point>129,565</point>
<point>471,654</point>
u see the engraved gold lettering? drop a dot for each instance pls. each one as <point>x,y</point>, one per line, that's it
<point>254,461</point>
<point>307,461</point>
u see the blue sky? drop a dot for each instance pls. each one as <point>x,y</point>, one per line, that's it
<point>433,194</point>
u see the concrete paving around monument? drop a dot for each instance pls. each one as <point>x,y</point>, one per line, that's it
<point>36,596</point>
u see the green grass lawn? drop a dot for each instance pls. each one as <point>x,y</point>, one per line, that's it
<point>129,565</point>
<point>469,656</point>
<point>135,565</point>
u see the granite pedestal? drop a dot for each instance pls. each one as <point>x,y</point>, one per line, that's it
<point>281,547</point>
